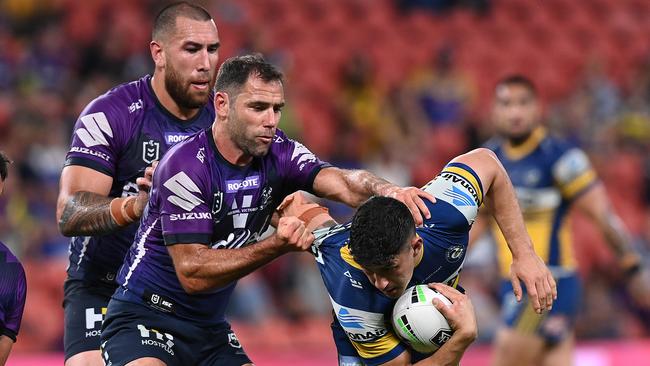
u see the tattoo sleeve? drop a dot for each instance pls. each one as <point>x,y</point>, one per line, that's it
<point>87,213</point>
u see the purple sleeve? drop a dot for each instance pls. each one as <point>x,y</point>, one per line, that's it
<point>14,311</point>
<point>184,207</point>
<point>299,165</point>
<point>97,135</point>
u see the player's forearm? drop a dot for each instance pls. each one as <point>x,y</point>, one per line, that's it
<point>450,353</point>
<point>213,268</point>
<point>361,185</point>
<point>505,209</point>
<point>87,213</point>
<point>5,347</point>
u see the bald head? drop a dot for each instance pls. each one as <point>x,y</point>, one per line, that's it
<point>165,22</point>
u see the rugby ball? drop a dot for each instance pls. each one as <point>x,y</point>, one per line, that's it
<point>418,323</point>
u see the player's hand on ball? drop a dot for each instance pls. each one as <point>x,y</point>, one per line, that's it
<point>460,314</point>
<point>413,197</point>
<point>144,186</point>
<point>292,235</point>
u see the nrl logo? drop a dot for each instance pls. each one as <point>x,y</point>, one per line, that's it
<point>150,151</point>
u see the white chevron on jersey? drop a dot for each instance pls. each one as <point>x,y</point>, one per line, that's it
<point>96,126</point>
<point>303,154</point>
<point>182,186</point>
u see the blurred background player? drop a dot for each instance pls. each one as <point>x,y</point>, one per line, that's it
<point>550,176</point>
<point>382,253</point>
<point>13,286</point>
<point>104,183</point>
<point>212,200</point>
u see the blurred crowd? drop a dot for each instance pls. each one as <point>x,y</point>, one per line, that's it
<point>402,123</point>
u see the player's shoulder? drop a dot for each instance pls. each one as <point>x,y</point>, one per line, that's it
<point>11,266</point>
<point>122,103</point>
<point>189,155</point>
<point>495,143</point>
<point>554,147</point>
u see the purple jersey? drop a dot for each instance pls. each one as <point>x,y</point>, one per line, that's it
<point>119,134</point>
<point>199,197</point>
<point>13,288</point>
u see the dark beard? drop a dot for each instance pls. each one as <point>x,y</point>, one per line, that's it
<point>181,93</point>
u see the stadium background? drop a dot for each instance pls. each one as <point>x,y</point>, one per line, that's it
<point>397,87</point>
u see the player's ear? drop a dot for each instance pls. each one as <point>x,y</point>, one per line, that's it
<point>222,104</point>
<point>157,54</point>
<point>416,244</point>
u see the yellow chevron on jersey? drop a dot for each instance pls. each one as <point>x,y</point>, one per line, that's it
<point>547,174</point>
<point>476,188</point>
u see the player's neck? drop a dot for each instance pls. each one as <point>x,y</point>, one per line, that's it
<point>227,147</point>
<point>166,100</point>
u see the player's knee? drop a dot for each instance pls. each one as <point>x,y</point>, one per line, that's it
<point>88,358</point>
<point>146,361</point>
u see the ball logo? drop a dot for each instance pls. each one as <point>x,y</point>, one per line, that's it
<point>442,337</point>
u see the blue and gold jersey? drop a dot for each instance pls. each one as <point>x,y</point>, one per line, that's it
<point>362,311</point>
<point>547,174</point>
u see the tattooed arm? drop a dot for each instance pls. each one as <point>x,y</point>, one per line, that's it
<point>353,187</point>
<point>84,208</point>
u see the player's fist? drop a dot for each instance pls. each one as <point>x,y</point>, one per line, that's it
<point>460,314</point>
<point>144,186</point>
<point>292,235</point>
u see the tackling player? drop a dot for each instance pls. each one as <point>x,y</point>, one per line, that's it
<point>13,287</point>
<point>104,183</point>
<point>549,176</point>
<point>213,196</point>
<point>368,263</point>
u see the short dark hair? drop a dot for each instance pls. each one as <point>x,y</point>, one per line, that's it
<point>380,229</point>
<point>517,79</point>
<point>235,71</point>
<point>4,163</point>
<point>166,19</point>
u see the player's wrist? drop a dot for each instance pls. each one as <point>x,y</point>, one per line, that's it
<point>123,211</point>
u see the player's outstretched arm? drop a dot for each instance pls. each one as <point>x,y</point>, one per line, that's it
<point>83,205</point>
<point>595,205</point>
<point>200,268</point>
<point>527,266</point>
<point>353,187</point>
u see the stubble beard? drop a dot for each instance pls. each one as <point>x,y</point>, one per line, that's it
<point>237,132</point>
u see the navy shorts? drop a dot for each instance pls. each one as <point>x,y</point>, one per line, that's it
<point>133,331</point>
<point>553,326</point>
<point>84,308</point>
